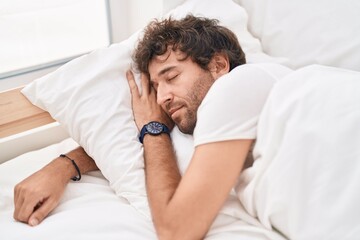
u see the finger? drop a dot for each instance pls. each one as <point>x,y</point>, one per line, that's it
<point>153,91</point>
<point>132,84</point>
<point>19,194</point>
<point>18,203</point>
<point>26,209</point>
<point>16,195</point>
<point>43,211</point>
<point>145,83</point>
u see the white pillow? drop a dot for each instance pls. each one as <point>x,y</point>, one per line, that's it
<point>90,97</point>
<point>308,32</point>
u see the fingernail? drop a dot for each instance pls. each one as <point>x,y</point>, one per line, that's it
<point>33,222</point>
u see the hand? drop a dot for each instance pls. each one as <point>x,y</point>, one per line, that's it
<point>36,196</point>
<point>145,107</point>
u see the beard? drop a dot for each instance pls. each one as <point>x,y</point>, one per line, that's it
<point>194,98</point>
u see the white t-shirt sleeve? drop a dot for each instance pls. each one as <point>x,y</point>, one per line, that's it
<point>231,108</point>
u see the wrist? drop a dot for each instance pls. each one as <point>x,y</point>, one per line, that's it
<point>75,178</point>
<point>64,168</point>
<point>158,138</point>
<point>153,128</point>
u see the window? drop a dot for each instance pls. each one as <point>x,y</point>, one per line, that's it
<point>35,34</point>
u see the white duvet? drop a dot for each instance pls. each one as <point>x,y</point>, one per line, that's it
<point>305,182</point>
<point>306,178</point>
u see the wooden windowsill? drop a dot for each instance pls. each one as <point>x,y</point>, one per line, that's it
<point>18,114</point>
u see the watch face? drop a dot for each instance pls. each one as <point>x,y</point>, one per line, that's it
<point>154,128</point>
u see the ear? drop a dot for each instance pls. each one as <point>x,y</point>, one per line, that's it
<point>219,65</point>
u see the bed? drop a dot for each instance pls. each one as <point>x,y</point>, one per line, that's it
<point>305,180</point>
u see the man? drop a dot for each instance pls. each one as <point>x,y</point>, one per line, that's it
<point>185,80</point>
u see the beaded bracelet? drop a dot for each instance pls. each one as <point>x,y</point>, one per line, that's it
<point>75,178</point>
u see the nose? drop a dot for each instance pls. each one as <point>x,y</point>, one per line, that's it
<point>163,94</point>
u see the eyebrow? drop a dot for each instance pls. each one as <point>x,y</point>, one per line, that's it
<point>165,70</point>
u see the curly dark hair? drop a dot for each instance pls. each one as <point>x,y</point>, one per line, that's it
<point>199,38</point>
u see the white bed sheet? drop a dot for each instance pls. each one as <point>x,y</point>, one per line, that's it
<point>90,209</point>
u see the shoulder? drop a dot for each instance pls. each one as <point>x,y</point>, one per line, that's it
<point>258,72</point>
<point>245,80</point>
<point>231,107</point>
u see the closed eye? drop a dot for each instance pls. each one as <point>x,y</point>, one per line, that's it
<point>172,78</point>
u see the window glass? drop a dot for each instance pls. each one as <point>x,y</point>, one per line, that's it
<point>39,33</point>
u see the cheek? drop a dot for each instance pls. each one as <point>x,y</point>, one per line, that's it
<point>187,97</point>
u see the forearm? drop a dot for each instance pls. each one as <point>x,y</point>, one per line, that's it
<point>84,162</point>
<point>162,178</point>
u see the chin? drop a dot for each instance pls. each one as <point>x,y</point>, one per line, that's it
<point>186,131</point>
<point>186,128</point>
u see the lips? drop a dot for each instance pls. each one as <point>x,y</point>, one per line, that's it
<point>173,110</point>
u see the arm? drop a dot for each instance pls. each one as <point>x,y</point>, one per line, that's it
<point>193,201</point>
<point>37,195</point>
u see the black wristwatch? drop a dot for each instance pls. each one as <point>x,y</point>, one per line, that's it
<point>153,128</point>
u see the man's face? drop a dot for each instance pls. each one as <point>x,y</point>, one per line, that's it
<point>181,86</point>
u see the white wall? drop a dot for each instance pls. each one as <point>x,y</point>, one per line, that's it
<point>170,4</point>
<point>128,16</point>
<point>142,11</point>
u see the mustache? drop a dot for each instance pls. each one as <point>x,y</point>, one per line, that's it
<point>171,106</point>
